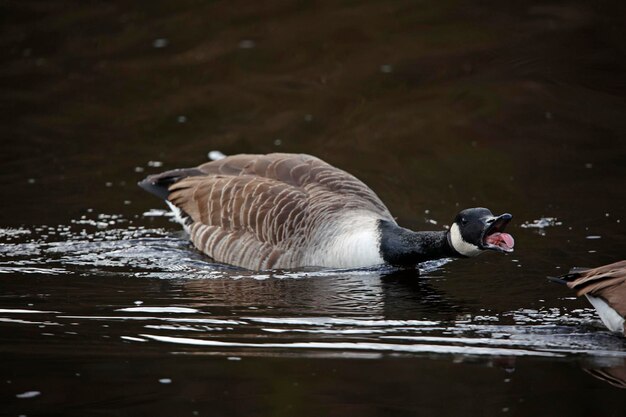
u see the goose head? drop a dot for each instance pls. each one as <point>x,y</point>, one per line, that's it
<point>476,230</point>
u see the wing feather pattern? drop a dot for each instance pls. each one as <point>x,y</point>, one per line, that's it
<point>265,211</point>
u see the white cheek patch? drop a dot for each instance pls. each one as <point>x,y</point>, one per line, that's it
<point>460,245</point>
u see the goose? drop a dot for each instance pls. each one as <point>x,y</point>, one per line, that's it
<point>605,288</point>
<point>286,211</point>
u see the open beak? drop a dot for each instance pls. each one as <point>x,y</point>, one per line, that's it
<point>494,237</point>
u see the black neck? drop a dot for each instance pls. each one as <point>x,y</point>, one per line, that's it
<point>400,246</point>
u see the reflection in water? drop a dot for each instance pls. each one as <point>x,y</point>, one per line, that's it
<point>409,292</point>
<point>614,375</point>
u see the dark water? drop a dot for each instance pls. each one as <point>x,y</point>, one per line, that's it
<point>106,310</point>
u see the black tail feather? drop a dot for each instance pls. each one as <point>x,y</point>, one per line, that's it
<point>558,280</point>
<point>573,274</point>
<point>159,184</point>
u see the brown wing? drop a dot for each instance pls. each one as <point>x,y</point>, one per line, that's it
<point>304,171</point>
<point>607,282</point>
<point>243,220</point>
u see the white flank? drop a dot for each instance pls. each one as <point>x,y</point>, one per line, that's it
<point>350,242</point>
<point>178,215</point>
<point>609,316</point>
<point>460,245</point>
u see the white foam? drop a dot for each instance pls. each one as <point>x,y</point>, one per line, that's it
<point>541,223</point>
<point>158,213</point>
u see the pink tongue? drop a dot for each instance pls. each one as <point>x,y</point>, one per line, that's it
<point>501,239</point>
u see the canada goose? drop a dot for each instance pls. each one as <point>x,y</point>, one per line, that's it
<point>285,210</point>
<point>605,288</point>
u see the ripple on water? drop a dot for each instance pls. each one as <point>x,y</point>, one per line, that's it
<point>249,324</point>
<point>103,243</point>
<point>572,333</point>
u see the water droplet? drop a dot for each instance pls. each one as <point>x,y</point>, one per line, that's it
<point>29,394</point>
<point>181,119</point>
<point>386,68</point>
<point>247,44</point>
<point>588,165</point>
<point>216,155</point>
<point>165,381</point>
<point>278,142</point>
<point>160,43</point>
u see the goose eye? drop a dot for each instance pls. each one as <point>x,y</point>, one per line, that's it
<point>463,222</point>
